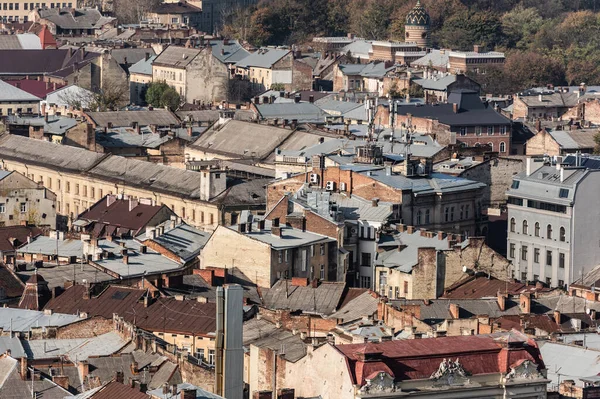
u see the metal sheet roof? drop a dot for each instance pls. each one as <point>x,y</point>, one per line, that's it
<point>23,320</point>
<point>322,300</point>
<point>14,346</point>
<point>263,58</point>
<point>9,93</point>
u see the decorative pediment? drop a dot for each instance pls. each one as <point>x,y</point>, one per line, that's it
<point>524,370</point>
<point>450,373</point>
<point>380,382</point>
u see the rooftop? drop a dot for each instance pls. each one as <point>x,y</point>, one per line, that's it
<point>79,18</point>
<point>158,117</point>
<point>22,320</point>
<point>300,112</point>
<point>10,93</point>
<point>262,58</point>
<point>176,56</point>
<point>264,334</point>
<point>323,299</point>
<point>77,349</point>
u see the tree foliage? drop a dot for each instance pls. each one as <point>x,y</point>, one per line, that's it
<point>160,94</point>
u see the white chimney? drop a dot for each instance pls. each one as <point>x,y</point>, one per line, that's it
<point>541,98</point>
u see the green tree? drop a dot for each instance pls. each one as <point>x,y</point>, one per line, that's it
<point>170,98</point>
<point>466,28</point>
<point>520,25</point>
<point>160,94</point>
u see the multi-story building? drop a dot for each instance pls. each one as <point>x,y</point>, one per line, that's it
<point>552,221</point>
<point>13,100</point>
<point>23,201</point>
<point>19,10</point>
<point>267,67</point>
<point>175,14</point>
<point>140,76</point>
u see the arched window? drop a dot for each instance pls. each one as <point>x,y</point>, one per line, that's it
<point>562,234</point>
<point>549,231</point>
<point>512,225</point>
<point>477,145</point>
<point>491,146</point>
<point>502,147</point>
<point>525,227</point>
<point>419,217</point>
<point>537,229</point>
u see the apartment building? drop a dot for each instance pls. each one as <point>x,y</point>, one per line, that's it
<point>80,178</point>
<point>19,10</point>
<point>552,220</point>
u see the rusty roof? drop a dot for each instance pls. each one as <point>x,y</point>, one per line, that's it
<point>164,314</point>
<point>484,287</point>
<point>543,322</point>
<point>116,390</point>
<point>10,283</point>
<point>15,236</point>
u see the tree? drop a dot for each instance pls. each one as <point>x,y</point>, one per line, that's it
<point>520,25</point>
<point>466,28</point>
<point>111,96</point>
<point>374,21</point>
<point>161,95</point>
<point>133,11</point>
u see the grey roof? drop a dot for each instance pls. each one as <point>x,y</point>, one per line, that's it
<point>298,141</point>
<point>143,66</point>
<point>47,246</point>
<point>437,183</point>
<point>404,260</point>
<point>575,139</point>
<point>158,117</point>
<point>337,107</point>
<point>57,276</point>
<point>23,320</point>
<point>243,139</point>
<point>62,96</point>
<point>27,41</point>
<point>200,393</point>
<point>290,237</point>
<point>77,349</point>
<point>550,99</point>
<point>168,373</point>
<point>57,125</point>
<point>13,387</point>
<point>363,305</point>
<point>79,18</point>
<point>199,116</point>
<point>439,309</point>
<point>301,112</point>
<point>571,362</point>
<point>183,240</point>
<point>10,93</point>
<point>435,59</point>
<point>263,334</point>
<point>358,48</point>
<point>126,137</point>
<point>356,208</point>
<point>321,300</point>
<point>177,56</point>
<point>262,58</point>
<point>371,70</point>
<point>436,83</point>
<point>13,345</point>
<point>231,52</point>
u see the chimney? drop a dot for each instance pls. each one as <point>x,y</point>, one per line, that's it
<point>454,311</point>
<point>147,56</point>
<point>132,204</point>
<point>241,228</point>
<point>375,202</point>
<point>525,303</point>
<point>557,317</point>
<point>440,235</point>
<point>311,99</point>
<point>24,370</point>
<point>134,367</point>
<point>261,225</point>
<point>190,131</point>
<point>410,229</point>
<point>126,259</point>
<point>143,249</point>
<point>119,377</point>
<point>401,228</point>
<point>84,369</point>
<point>188,394</point>
<point>61,380</point>
<point>529,166</point>
<point>276,231</point>
<point>455,108</point>
<point>540,98</point>
<point>297,98</point>
<point>501,301</point>
<point>476,48</point>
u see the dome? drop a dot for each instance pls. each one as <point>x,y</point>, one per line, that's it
<point>418,16</point>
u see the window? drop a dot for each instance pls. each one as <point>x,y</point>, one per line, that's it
<point>287,255</point>
<point>502,146</point>
<point>524,252</point>
<point>502,129</point>
<point>322,249</point>
<point>211,356</point>
<point>478,130</point>
<point>561,260</point>
<point>562,234</point>
<point>365,259</point>
<point>280,253</point>
<point>212,219</point>
<point>452,214</point>
<point>490,130</point>
<point>548,281</point>
<point>515,184</point>
<point>463,131</point>
<point>85,191</point>
<point>563,193</point>
<point>512,225</point>
<point>76,189</point>
<point>2,208</point>
<point>322,275</point>
<point>511,251</point>
<point>312,250</point>
<point>201,216</point>
<point>525,227</point>
<point>561,283</point>
<point>92,192</point>
<point>427,216</point>
<point>549,232</point>
<point>548,258</point>
<point>68,187</point>
<point>447,213</point>
<point>536,255</point>
<point>419,217</point>
<point>537,229</point>
<point>200,353</point>
<point>491,146</point>
<point>467,207</point>
<point>23,207</point>
<point>524,276</point>
<point>406,287</point>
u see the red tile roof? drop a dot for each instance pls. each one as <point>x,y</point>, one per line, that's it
<point>36,87</point>
<point>46,38</point>
<point>419,358</point>
<point>116,390</point>
<point>163,314</point>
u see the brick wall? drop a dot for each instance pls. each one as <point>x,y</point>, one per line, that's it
<point>301,76</point>
<point>87,328</point>
<point>301,323</point>
<point>542,143</point>
<point>497,174</point>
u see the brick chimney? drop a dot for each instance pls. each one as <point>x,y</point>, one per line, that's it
<point>84,369</point>
<point>61,380</point>
<point>557,317</point>
<point>276,231</point>
<point>525,303</point>
<point>188,394</point>
<point>401,228</point>
<point>454,311</point>
<point>119,377</point>
<point>501,301</point>
<point>410,229</point>
<point>455,108</point>
<point>440,235</point>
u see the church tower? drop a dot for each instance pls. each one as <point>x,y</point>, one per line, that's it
<point>418,26</point>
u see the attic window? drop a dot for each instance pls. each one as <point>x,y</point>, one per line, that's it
<point>515,184</point>
<point>563,193</point>
<point>120,295</point>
